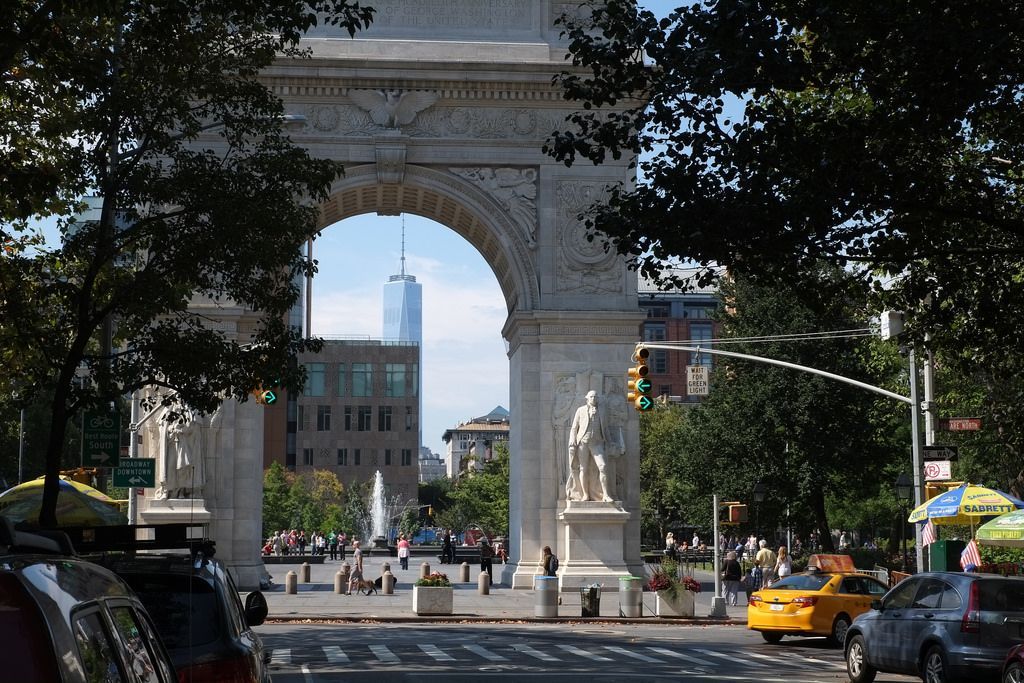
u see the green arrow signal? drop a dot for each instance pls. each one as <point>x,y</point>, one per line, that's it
<point>643,385</point>
<point>269,397</point>
<point>644,403</point>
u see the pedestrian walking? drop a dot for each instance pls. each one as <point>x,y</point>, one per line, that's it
<point>486,556</point>
<point>356,574</point>
<point>447,552</point>
<point>403,551</point>
<point>548,561</point>
<point>766,558</point>
<point>332,544</point>
<point>731,574</point>
<point>783,564</point>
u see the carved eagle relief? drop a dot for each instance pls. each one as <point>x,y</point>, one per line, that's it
<point>392,108</point>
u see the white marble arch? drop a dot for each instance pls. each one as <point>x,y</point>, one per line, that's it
<point>441,110</point>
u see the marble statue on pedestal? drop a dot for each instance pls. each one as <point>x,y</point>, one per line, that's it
<point>181,448</point>
<point>593,437</point>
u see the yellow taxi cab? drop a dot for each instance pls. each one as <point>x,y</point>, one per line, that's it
<point>823,601</point>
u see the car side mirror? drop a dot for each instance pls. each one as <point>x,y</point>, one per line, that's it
<point>876,605</point>
<point>255,608</point>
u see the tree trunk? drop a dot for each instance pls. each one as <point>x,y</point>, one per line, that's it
<point>825,533</point>
<point>54,448</point>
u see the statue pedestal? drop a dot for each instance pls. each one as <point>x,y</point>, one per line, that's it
<point>171,510</point>
<point>594,545</point>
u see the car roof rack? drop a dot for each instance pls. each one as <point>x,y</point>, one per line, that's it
<point>44,541</point>
<point>136,537</point>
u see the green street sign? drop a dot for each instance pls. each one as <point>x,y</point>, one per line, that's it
<point>643,385</point>
<point>136,473</point>
<point>644,403</point>
<point>101,438</point>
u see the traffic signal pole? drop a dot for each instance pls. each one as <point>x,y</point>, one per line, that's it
<point>915,407</point>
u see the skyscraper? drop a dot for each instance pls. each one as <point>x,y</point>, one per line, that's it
<point>403,317</point>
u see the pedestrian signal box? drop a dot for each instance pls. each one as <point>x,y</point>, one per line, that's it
<point>638,387</point>
<point>738,514</point>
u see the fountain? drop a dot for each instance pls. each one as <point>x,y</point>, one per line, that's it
<point>377,513</point>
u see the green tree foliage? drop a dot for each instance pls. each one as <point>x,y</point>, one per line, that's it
<point>313,501</point>
<point>884,138</point>
<point>807,438</point>
<point>480,497</point>
<point>156,107</point>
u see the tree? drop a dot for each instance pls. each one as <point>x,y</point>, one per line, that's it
<point>160,111</point>
<point>884,138</point>
<point>816,444</point>
<point>481,497</point>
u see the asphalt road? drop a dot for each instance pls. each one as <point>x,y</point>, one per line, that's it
<point>320,653</point>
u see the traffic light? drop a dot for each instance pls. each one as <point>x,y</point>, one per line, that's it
<point>264,395</point>
<point>638,387</point>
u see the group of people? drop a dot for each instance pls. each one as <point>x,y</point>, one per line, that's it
<point>769,566</point>
<point>295,542</point>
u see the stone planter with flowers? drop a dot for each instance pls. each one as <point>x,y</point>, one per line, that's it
<point>675,595</point>
<point>433,595</point>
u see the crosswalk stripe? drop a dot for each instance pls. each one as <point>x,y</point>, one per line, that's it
<point>635,655</point>
<point>485,653</point>
<point>822,661</point>
<point>679,655</point>
<point>729,658</point>
<point>436,652</point>
<point>335,655</point>
<point>527,650</point>
<point>281,656</point>
<point>583,653</point>
<point>384,654</point>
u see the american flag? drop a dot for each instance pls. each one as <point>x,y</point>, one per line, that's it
<point>928,534</point>
<point>970,557</point>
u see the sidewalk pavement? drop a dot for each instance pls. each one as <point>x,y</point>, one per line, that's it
<point>317,600</point>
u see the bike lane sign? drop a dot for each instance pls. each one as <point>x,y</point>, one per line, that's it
<point>101,438</point>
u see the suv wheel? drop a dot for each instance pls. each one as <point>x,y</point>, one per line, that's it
<point>857,666</point>
<point>839,628</point>
<point>1014,674</point>
<point>935,668</point>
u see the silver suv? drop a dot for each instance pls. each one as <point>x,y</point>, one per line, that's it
<point>67,620</point>
<point>941,626</point>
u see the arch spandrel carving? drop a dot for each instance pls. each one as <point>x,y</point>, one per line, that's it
<point>455,202</point>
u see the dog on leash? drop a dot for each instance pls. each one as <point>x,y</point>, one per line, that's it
<point>366,587</point>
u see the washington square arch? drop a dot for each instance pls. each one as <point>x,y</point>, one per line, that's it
<point>440,109</point>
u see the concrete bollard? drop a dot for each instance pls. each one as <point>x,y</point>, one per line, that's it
<point>305,572</point>
<point>291,581</point>
<point>340,582</point>
<point>464,572</point>
<point>483,584</point>
<point>387,583</point>
<point>424,570</point>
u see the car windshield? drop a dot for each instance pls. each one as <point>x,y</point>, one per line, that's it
<point>801,582</point>
<point>183,608</point>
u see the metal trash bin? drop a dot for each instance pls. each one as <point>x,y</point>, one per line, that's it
<point>545,588</point>
<point>631,596</point>
<point>590,600</point>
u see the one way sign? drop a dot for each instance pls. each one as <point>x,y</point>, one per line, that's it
<point>136,473</point>
<point>938,453</point>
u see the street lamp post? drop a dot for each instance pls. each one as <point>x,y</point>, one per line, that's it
<point>759,493</point>
<point>904,493</point>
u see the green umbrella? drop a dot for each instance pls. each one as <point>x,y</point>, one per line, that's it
<point>1005,530</point>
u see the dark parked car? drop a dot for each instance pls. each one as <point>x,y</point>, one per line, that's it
<point>941,626</point>
<point>1013,668</point>
<point>67,620</point>
<point>195,605</point>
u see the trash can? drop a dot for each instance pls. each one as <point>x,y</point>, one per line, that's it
<point>631,596</point>
<point>545,588</point>
<point>590,600</point>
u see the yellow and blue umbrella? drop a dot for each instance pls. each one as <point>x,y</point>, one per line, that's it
<point>964,505</point>
<point>77,504</point>
<point>1005,530</point>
